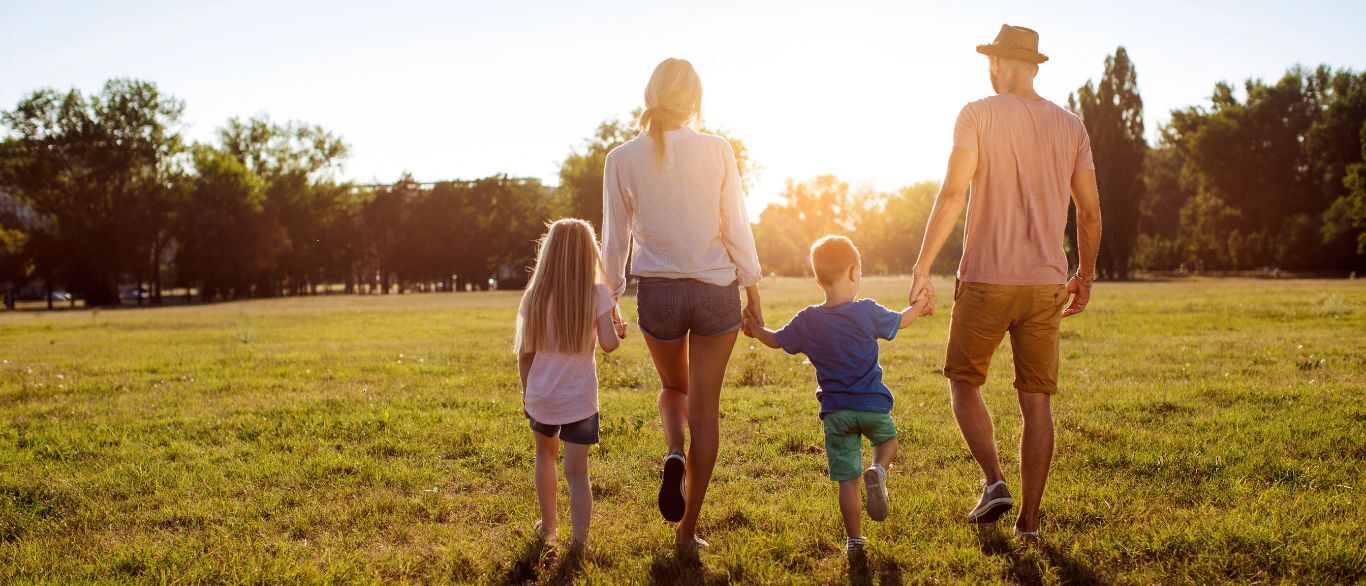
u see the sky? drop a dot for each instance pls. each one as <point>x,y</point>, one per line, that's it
<point>867,91</point>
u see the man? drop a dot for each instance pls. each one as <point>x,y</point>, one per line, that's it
<point>1023,156</point>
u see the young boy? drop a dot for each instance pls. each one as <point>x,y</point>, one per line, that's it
<point>839,337</point>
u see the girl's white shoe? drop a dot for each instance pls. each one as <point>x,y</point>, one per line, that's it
<point>540,533</point>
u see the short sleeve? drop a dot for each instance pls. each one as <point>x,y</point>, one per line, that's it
<point>605,301</point>
<point>886,323</point>
<point>792,336</point>
<point>965,129</point>
<point>1084,161</point>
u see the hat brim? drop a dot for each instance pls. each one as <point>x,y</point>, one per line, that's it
<point>1008,52</point>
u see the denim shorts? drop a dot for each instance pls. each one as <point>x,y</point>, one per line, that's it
<point>583,431</point>
<point>671,308</point>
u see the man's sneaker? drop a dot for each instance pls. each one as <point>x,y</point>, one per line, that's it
<point>875,492</point>
<point>995,502</point>
<point>671,501</point>
<point>853,546</point>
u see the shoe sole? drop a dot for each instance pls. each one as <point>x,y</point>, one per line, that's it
<point>994,510</point>
<point>875,499</point>
<point>671,503</point>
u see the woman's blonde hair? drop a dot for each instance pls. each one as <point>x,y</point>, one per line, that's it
<point>568,267</point>
<point>672,98</point>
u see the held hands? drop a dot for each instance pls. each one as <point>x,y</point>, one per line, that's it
<point>750,321</point>
<point>1080,290</point>
<point>922,290</point>
<point>618,324</point>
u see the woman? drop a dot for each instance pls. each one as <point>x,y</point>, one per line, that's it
<point>676,193</point>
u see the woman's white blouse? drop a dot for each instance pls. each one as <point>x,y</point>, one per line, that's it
<point>686,214</point>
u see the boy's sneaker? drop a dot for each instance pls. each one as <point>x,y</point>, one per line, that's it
<point>875,492</point>
<point>1030,538</point>
<point>671,503</point>
<point>853,546</point>
<point>995,502</point>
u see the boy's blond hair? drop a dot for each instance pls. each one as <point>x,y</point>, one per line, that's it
<point>832,257</point>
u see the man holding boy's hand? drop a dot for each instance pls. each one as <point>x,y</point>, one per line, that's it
<point>1025,159</point>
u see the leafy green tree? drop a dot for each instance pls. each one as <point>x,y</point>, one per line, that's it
<point>227,241</point>
<point>296,163</point>
<point>1112,111</point>
<point>15,265</point>
<point>385,220</point>
<point>100,170</point>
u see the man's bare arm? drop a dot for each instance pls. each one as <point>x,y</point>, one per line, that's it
<point>1086,197</point>
<point>948,205</point>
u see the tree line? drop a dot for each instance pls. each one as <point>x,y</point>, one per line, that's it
<point>102,192</point>
<point>106,192</point>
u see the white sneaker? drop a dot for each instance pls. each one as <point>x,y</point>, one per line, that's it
<point>995,502</point>
<point>875,492</point>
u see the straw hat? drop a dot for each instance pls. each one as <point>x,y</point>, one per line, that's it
<point>1015,42</point>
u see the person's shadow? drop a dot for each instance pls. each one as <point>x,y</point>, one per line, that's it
<point>681,567</point>
<point>1026,569</point>
<point>863,573</point>
<point>536,558</point>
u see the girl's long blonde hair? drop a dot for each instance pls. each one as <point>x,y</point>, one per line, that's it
<point>568,266</point>
<point>673,97</point>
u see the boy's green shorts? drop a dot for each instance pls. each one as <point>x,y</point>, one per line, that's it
<point>844,433</point>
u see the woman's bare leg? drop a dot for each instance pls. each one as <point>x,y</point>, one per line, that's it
<point>707,358</point>
<point>671,362</point>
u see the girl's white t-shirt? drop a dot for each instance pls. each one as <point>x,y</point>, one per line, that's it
<point>563,388</point>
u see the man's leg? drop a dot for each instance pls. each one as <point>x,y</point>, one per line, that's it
<point>975,423</point>
<point>1036,455</point>
<point>979,322</point>
<point>1035,342</point>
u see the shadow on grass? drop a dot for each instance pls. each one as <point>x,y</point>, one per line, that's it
<point>1026,568</point>
<point>528,564</point>
<point>863,573</point>
<point>681,567</point>
<point>569,568</point>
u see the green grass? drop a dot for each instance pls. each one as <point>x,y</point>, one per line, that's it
<point>1208,431</point>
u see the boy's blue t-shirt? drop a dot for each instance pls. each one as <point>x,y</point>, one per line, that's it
<point>841,342</point>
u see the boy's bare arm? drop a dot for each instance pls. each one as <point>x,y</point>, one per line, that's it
<point>762,334</point>
<point>912,312</point>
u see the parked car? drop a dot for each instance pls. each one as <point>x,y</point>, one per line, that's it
<point>133,294</point>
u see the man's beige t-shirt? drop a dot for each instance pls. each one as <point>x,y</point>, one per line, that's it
<point>1027,151</point>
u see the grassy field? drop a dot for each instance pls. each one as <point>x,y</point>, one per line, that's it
<point>1208,431</point>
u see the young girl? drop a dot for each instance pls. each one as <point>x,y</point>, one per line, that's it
<point>564,309</point>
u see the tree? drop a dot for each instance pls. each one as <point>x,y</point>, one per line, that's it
<point>100,170</point>
<point>296,162</point>
<point>1279,158</point>
<point>1113,114</point>
<point>1346,219</point>
<point>227,241</point>
<point>15,265</point>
